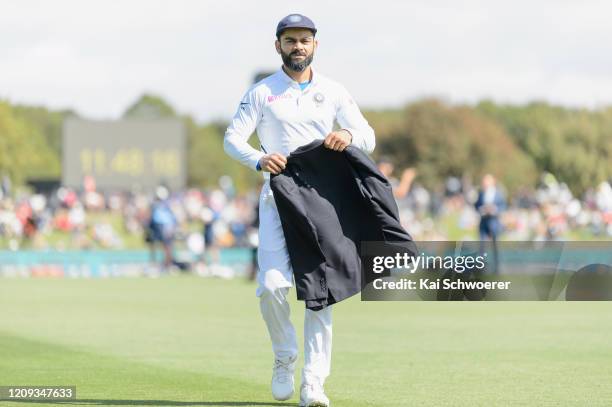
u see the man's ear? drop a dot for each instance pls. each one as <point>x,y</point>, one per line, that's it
<point>277,46</point>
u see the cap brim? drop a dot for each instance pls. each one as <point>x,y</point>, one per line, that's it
<point>278,33</point>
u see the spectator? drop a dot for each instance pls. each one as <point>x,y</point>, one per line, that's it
<point>163,225</point>
<point>490,204</point>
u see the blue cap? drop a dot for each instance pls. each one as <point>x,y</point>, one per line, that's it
<point>295,21</point>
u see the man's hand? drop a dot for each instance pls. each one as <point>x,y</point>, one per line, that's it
<point>273,163</point>
<point>338,140</point>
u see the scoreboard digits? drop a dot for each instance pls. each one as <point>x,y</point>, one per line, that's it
<point>124,153</point>
<point>133,162</point>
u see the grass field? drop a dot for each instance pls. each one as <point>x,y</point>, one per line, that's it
<point>186,341</point>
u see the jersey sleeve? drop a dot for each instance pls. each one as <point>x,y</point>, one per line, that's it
<point>349,118</point>
<point>241,128</point>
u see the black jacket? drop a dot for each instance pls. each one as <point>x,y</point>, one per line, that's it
<point>329,202</point>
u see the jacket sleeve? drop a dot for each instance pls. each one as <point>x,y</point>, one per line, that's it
<point>350,118</point>
<point>241,128</point>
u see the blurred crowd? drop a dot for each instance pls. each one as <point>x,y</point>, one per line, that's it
<point>217,218</point>
<point>548,212</point>
<point>115,220</point>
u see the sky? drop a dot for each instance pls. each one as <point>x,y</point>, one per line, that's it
<point>98,57</point>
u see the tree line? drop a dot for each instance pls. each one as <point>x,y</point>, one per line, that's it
<point>514,142</point>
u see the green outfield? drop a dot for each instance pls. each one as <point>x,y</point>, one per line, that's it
<point>187,341</point>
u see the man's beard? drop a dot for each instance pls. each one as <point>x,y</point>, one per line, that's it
<point>296,66</point>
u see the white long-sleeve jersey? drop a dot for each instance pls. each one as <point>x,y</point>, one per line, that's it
<point>286,117</point>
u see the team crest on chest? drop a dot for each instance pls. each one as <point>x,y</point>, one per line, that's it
<point>318,98</point>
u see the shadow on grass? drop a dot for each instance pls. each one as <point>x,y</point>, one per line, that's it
<point>103,402</point>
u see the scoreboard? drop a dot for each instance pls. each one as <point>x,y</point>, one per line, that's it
<point>125,153</point>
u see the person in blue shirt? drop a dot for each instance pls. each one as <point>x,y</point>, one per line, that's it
<point>163,225</point>
<point>490,204</point>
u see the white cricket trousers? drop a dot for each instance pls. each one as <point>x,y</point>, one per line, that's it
<point>274,279</point>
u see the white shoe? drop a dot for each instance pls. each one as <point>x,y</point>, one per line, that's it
<point>282,378</point>
<point>312,395</point>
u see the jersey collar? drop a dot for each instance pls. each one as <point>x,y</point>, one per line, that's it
<point>290,80</point>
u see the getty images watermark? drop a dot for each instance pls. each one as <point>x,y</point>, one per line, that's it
<point>403,262</point>
<point>480,270</point>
